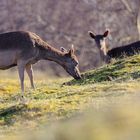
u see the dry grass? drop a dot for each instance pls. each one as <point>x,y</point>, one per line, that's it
<point>94,110</point>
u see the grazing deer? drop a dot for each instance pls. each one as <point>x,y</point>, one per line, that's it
<point>23,48</point>
<point>117,52</point>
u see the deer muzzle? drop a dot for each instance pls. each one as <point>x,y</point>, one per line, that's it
<point>77,74</point>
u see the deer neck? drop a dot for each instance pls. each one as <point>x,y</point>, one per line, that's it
<point>104,48</point>
<point>52,54</point>
<point>104,53</point>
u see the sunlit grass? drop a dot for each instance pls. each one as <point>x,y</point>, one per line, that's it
<point>52,101</point>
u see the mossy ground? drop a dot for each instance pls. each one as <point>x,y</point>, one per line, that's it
<point>53,100</point>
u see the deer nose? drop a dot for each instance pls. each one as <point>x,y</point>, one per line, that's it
<point>78,76</point>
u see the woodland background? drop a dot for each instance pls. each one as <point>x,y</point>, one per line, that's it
<point>66,22</point>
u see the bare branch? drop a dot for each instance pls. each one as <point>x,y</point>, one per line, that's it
<point>125,2</point>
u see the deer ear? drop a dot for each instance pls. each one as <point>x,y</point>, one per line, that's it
<point>92,35</point>
<point>71,51</point>
<point>106,33</point>
<point>62,49</point>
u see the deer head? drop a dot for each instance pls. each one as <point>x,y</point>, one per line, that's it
<point>71,63</point>
<point>101,43</point>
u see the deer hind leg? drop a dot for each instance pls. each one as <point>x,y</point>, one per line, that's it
<point>21,68</point>
<point>30,74</point>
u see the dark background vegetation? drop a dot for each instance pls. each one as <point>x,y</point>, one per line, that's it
<point>66,22</point>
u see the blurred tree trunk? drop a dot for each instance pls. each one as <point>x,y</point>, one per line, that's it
<point>135,11</point>
<point>127,5</point>
<point>138,22</point>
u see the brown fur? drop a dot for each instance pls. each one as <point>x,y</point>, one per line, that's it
<point>23,48</point>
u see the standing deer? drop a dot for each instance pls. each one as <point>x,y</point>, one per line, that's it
<point>117,52</point>
<point>23,48</point>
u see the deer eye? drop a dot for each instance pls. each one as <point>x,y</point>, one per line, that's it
<point>76,63</point>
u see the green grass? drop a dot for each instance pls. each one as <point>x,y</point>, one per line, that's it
<point>123,69</point>
<point>52,101</point>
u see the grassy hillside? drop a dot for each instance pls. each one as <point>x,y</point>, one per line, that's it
<point>101,89</point>
<point>120,70</point>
